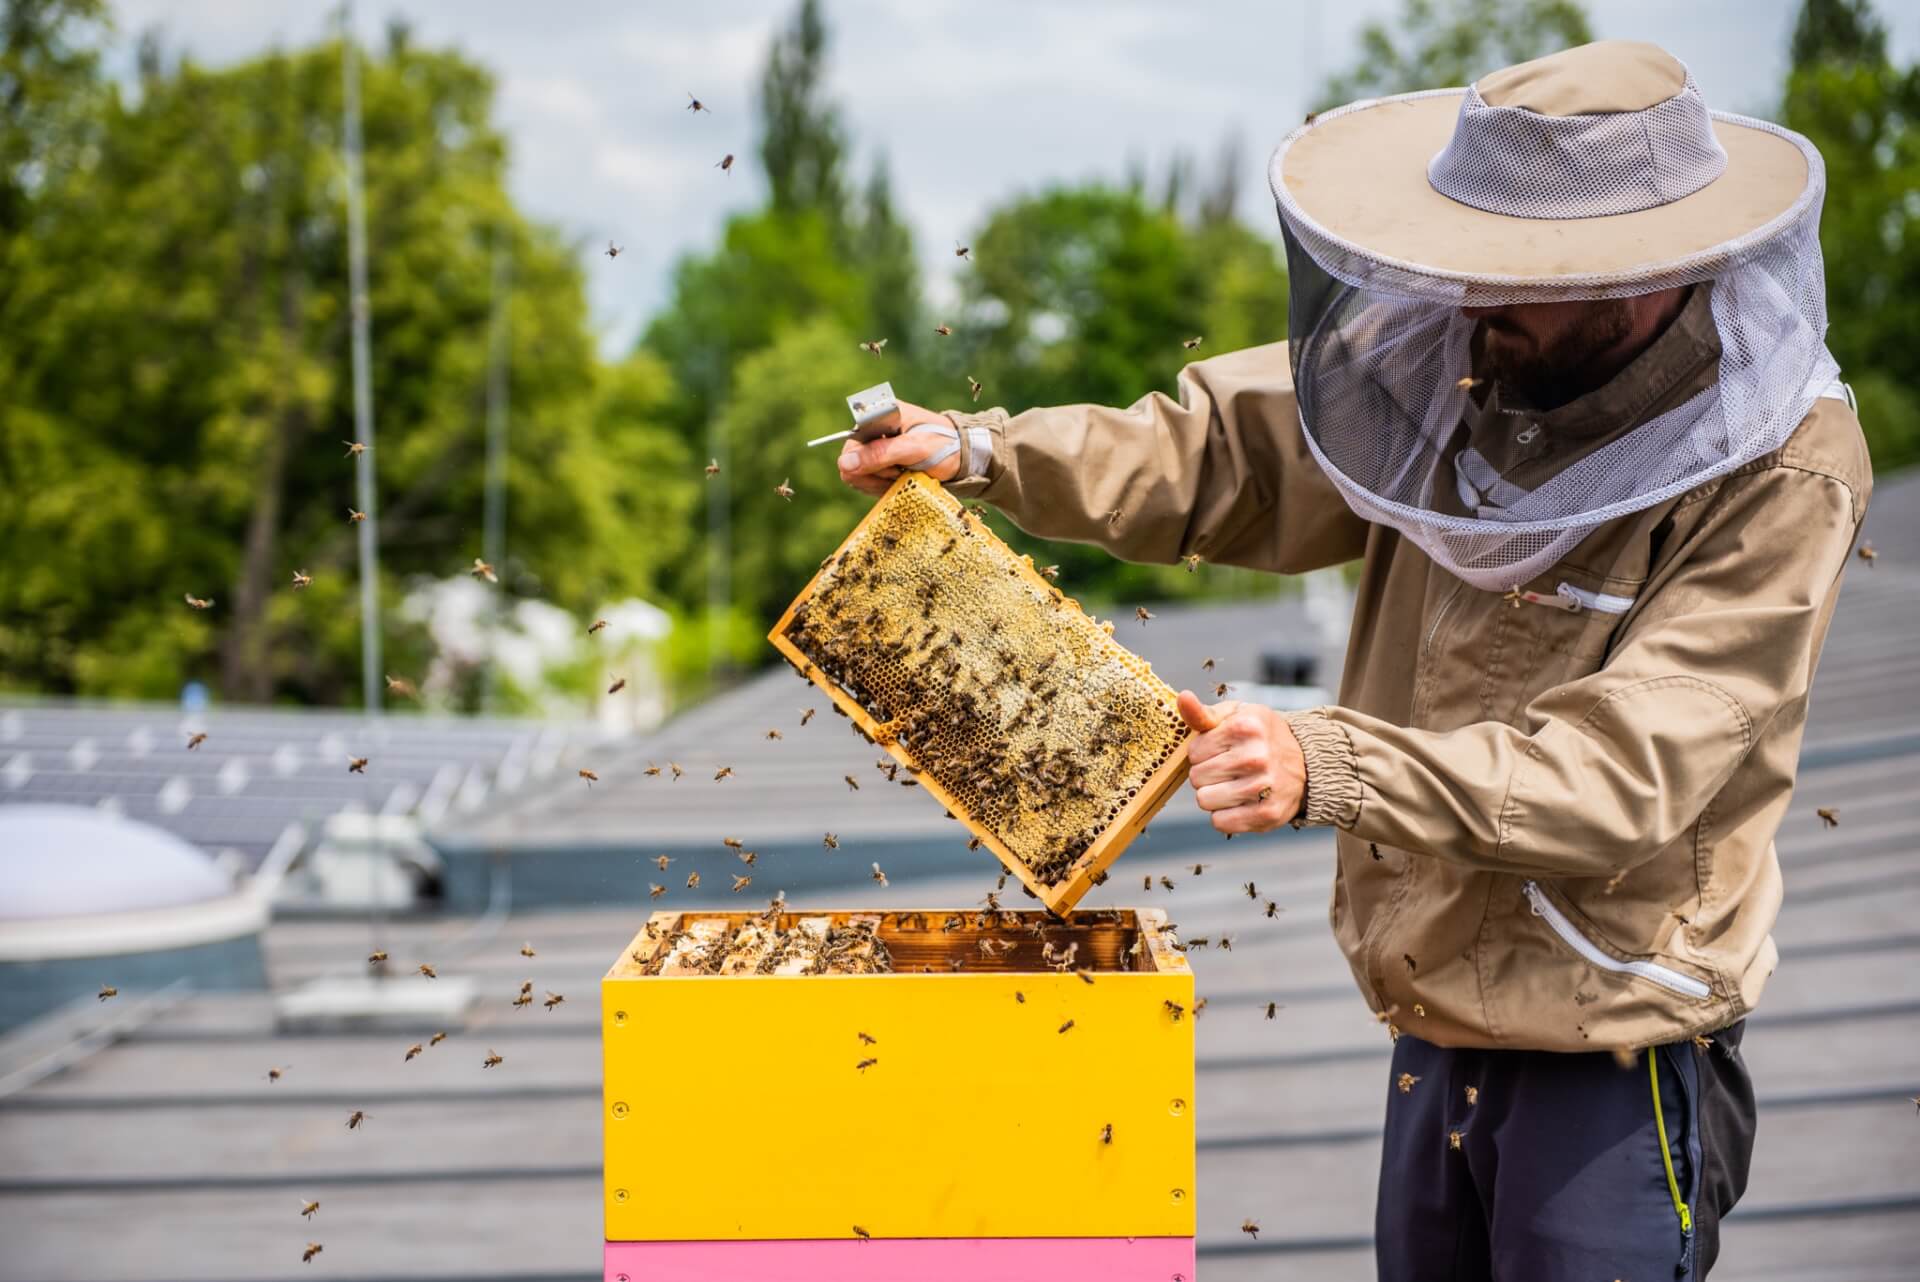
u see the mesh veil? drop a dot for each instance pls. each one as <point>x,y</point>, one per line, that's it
<point>1380,346</point>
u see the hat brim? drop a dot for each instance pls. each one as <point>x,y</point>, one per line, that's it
<point>1359,176</point>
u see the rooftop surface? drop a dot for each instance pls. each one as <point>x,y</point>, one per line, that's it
<point>168,1155</point>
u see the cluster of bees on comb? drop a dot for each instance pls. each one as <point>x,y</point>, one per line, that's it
<point>1030,718</point>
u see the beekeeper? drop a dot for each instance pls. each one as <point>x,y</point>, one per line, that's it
<point>1557,379</point>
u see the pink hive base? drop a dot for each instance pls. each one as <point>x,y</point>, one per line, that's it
<point>1051,1259</point>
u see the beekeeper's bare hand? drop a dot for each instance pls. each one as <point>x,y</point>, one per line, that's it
<point>870,468</point>
<point>1245,766</point>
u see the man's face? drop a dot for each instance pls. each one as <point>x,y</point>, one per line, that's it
<point>1534,345</point>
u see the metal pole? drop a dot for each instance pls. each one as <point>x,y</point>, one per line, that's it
<point>370,664</point>
<point>494,540</point>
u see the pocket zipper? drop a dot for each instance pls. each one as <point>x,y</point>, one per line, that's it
<point>1665,976</point>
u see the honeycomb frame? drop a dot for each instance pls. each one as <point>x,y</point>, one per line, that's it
<point>1053,611</point>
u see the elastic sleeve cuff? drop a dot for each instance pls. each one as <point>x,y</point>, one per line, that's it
<point>980,431</point>
<point>1333,771</point>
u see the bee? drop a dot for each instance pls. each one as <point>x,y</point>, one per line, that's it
<point>355,1118</point>
<point>693,881</point>
<point>1702,1041</point>
<point>108,990</point>
<point>1166,883</point>
<point>1191,343</point>
<point>553,999</point>
<point>1049,572</point>
<point>973,843</point>
<point>354,449</point>
<point>1473,1096</point>
<point>1264,794</point>
<point>523,1001</point>
<point>356,765</point>
<point>1273,1008</point>
<point>694,104</point>
<point>1199,1004</point>
<point>481,570</point>
<point>1468,383</point>
<point>428,971</point>
<point>652,771</point>
<point>436,1039</point>
<point>962,251</point>
<point>199,602</point>
<point>526,988</point>
<point>775,734</point>
<point>1146,882</point>
<point>526,949</point>
<point>867,1039</point>
<point>196,739</point>
<point>1206,665</point>
<point>1829,817</point>
<point>873,345</point>
<point>830,841</point>
<point>725,164</point>
<point>307,1209</point>
<point>677,771</point>
<point>1405,1082</point>
<point>654,892</point>
<point>866,1064</point>
<point>741,883</point>
<point>661,861</point>
<point>1113,518</point>
<point>1251,1228</point>
<point>945,331</point>
<point>1226,943</point>
<point>596,626</point>
<point>1200,868</point>
<point>806,715</point>
<point>1086,976</point>
<point>1220,690</point>
<point>1106,1133</point>
<point>722,773</point>
<point>1141,613</point>
<point>1252,891</point>
<point>301,579</point>
<point>785,489</point>
<point>1453,1139</point>
<point>374,959</point>
<point>1412,965</point>
<point>732,843</point>
<point>413,1050</point>
<point>1420,1009</point>
<point>589,776</point>
<point>974,386</point>
<point>275,1074</point>
<point>1174,1009</point>
<point>614,251</point>
<point>853,785</point>
<point>713,467</point>
<point>878,875</point>
<point>1193,562</point>
<point>1200,941</point>
<point>1064,1027</point>
<point>493,1060</point>
<point>401,688</point>
<point>313,1249</point>
<point>861,1233</point>
<point>619,684</point>
<point>1867,553</point>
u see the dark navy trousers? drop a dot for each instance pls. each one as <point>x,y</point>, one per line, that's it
<point>1533,1166</point>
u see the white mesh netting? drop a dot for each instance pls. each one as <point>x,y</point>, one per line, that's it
<point>1379,348</point>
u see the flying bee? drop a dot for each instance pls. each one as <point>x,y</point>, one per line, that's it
<point>428,971</point>
<point>481,570</point>
<point>652,771</point>
<point>861,1233</point>
<point>589,776</point>
<point>619,684</point>
<point>526,949</point>
<point>275,1074</point>
<point>785,489</point>
<point>1220,690</point>
<point>830,841</point>
<point>1420,1009</point>
<point>596,626</point>
<point>1020,997</point>
<point>1264,794</point>
<point>413,1050</point>
<point>1193,562</point>
<point>661,861</point>
<point>1166,883</point>
<point>1113,518</point>
<point>1867,553</point>
<point>1064,1027</point>
<point>493,1060</point>
<point>741,883</point>
<point>355,1118</point>
<point>1701,1041</point>
<point>1226,943</point>
<point>1273,909</point>
<point>1191,343</point>
<point>526,988</point>
<point>693,881</point>
<point>354,449</point>
<point>722,773</point>
<point>1200,868</point>
<point>873,345</point>
<point>677,771</point>
<point>307,1209</point>
<point>1050,572</point>
<point>301,579</point>
<point>313,1249</point>
<point>199,602</point>
<point>853,785</point>
<point>1473,1096</point>
<point>436,1039</point>
<point>1405,1082</point>
<point>196,739</point>
<point>713,467</point>
<point>1251,1227</point>
<point>108,990</point>
<point>356,765</point>
<point>1273,1008</point>
<point>1141,613</point>
<point>775,734</point>
<point>962,251</point>
<point>553,999</point>
<point>806,715</point>
<point>1252,891</point>
<point>945,331</point>
<point>401,688</point>
<point>1175,1009</point>
<point>1412,965</point>
<point>1086,976</point>
<point>974,386</point>
<point>1467,384</point>
<point>374,959</point>
<point>694,104</point>
<point>732,843</point>
<point>866,1064</point>
<point>1106,1133</point>
<point>725,164</point>
<point>868,1040</point>
<point>1206,665</point>
<point>1829,817</point>
<point>878,875</point>
<point>1453,1139</point>
<point>654,892</point>
<point>614,251</point>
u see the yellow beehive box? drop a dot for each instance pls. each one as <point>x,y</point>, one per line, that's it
<point>1052,742</point>
<point>988,1058</point>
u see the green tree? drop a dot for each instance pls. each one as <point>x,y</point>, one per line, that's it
<point>1861,111</point>
<point>1435,44</point>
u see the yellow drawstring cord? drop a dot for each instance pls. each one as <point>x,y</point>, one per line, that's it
<point>1666,1158</point>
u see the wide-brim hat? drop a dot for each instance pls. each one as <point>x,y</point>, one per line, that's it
<point>1591,173</point>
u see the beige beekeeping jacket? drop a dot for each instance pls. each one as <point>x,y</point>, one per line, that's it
<point>1555,824</point>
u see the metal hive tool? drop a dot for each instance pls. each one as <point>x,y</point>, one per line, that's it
<point>1048,739</point>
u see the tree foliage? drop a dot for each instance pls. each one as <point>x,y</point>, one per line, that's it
<point>1436,44</point>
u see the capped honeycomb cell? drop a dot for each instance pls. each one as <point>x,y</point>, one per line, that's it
<point>1047,738</point>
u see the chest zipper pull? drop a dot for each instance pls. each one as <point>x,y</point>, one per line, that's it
<point>1557,600</point>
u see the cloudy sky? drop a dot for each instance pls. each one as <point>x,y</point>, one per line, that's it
<point>969,100</point>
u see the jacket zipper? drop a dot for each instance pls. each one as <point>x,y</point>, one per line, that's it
<point>1440,615</point>
<point>1573,600</point>
<point>1665,976</point>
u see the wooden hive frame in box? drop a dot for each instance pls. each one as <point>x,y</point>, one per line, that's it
<point>1127,715</point>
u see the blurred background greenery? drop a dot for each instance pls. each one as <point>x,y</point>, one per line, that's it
<point>174,330</point>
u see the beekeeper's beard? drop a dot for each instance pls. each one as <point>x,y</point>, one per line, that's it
<point>1553,352</point>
